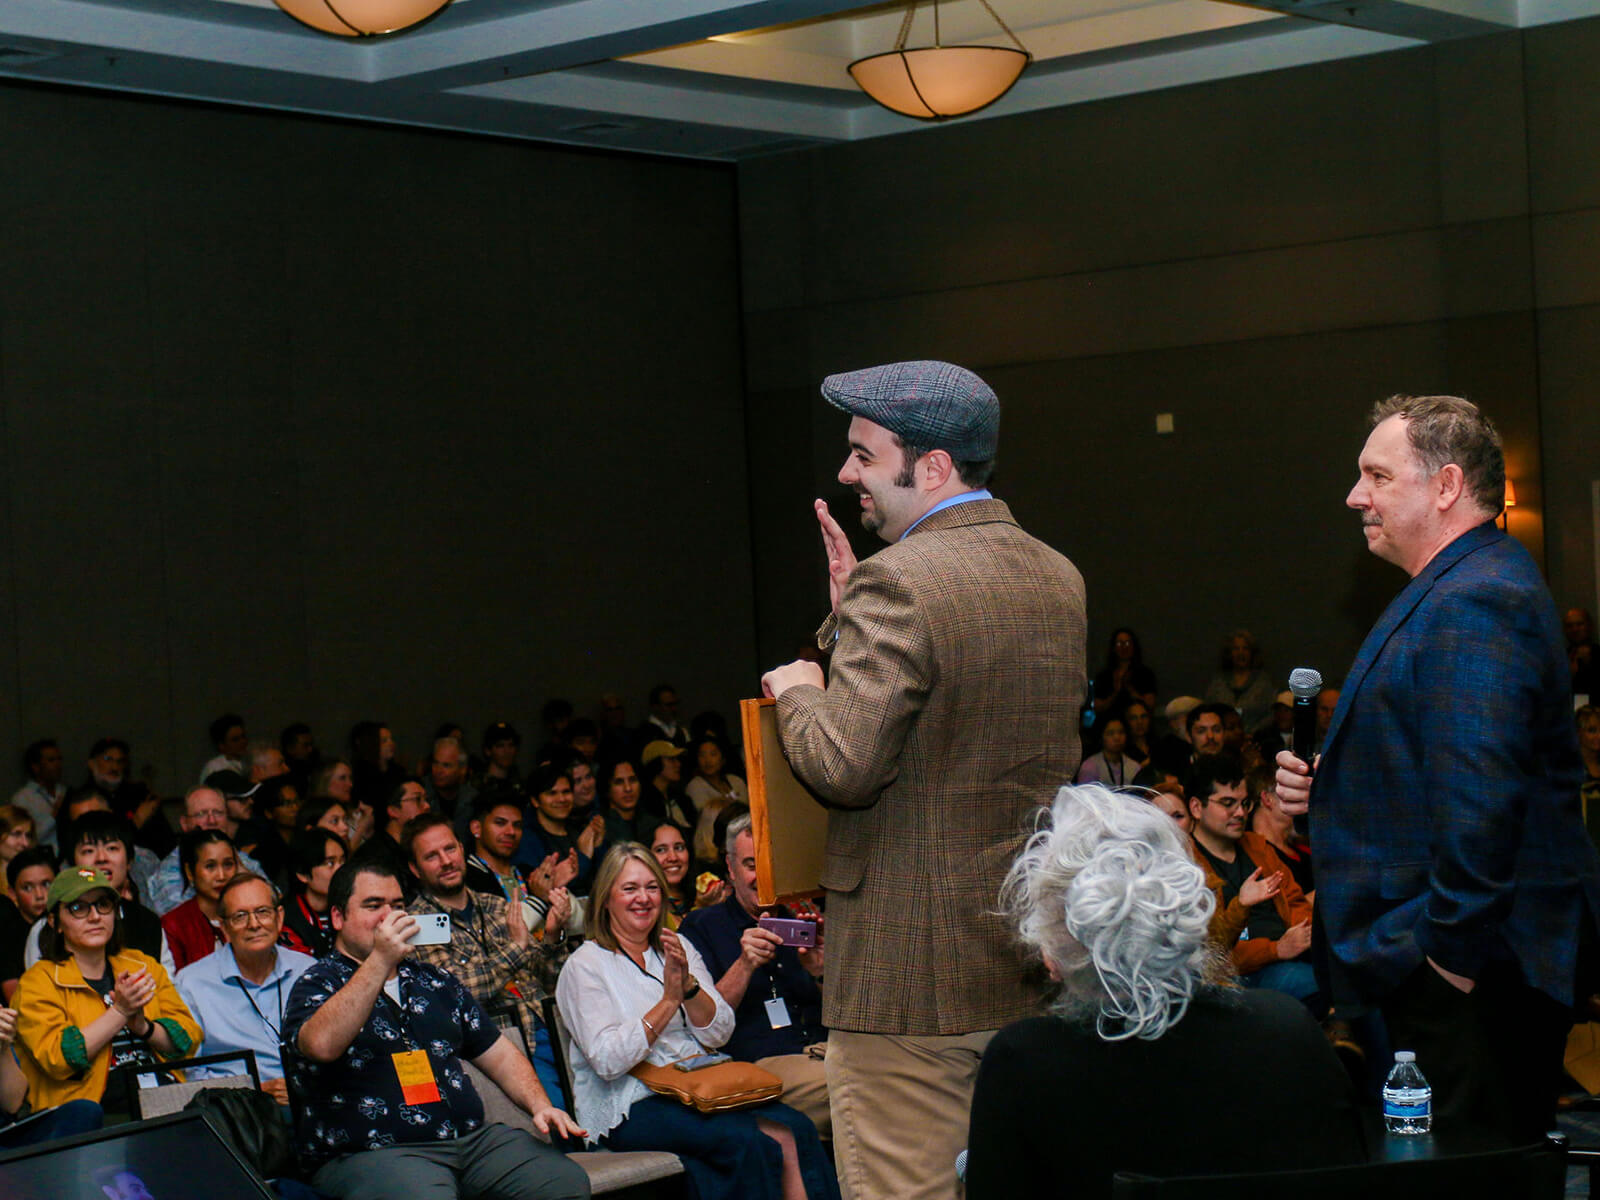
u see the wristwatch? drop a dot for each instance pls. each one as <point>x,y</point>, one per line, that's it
<point>689,993</point>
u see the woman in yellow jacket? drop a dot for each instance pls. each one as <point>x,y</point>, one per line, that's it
<point>89,1002</point>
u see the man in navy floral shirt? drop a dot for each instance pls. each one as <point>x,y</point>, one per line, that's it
<point>373,1046</point>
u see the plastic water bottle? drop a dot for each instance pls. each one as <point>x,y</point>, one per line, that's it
<point>1407,1098</point>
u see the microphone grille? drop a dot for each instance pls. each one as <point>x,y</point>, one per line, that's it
<point>1305,683</point>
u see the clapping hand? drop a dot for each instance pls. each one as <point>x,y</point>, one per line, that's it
<point>566,870</point>
<point>516,926</point>
<point>132,991</point>
<point>555,921</point>
<point>593,834</point>
<point>674,967</point>
<point>1258,887</point>
<point>542,878</point>
<point>1295,941</point>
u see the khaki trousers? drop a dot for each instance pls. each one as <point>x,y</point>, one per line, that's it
<point>805,1086</point>
<point>901,1106</point>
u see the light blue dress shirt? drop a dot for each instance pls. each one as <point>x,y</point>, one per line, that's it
<point>236,1014</point>
<point>951,502</point>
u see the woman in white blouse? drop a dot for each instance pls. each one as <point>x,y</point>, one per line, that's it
<point>634,992</point>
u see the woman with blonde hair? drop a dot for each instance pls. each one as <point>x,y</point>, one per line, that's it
<point>636,993</point>
<point>1109,898</point>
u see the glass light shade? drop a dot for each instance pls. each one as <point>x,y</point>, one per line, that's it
<point>1511,493</point>
<point>936,82</point>
<point>360,18</point>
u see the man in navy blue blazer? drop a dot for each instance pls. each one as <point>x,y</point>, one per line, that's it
<point>1456,883</point>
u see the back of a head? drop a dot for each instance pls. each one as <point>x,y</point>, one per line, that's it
<point>1107,892</point>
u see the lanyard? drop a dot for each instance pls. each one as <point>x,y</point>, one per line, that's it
<point>277,987</point>
<point>321,922</point>
<point>475,931</point>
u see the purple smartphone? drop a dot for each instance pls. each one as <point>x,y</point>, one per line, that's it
<point>793,933</point>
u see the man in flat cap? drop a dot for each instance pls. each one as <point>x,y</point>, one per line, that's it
<point>949,716</point>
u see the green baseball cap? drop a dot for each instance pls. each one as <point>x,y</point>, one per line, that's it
<point>75,883</point>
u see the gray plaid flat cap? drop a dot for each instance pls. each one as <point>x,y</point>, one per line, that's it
<point>937,405</point>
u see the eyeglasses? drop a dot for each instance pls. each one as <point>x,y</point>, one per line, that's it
<point>105,906</point>
<point>1229,803</point>
<point>245,916</point>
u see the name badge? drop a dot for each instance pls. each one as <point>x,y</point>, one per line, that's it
<point>417,1085</point>
<point>777,1013</point>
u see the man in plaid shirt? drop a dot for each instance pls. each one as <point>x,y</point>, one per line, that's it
<point>507,969</point>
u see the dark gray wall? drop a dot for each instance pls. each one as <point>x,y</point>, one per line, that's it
<point>1264,258</point>
<point>333,421</point>
<point>329,421</point>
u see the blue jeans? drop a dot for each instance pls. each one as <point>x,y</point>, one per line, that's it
<point>75,1116</point>
<point>544,1066</point>
<point>1294,977</point>
<point>726,1155</point>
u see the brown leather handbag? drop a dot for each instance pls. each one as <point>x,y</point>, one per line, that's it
<point>718,1087</point>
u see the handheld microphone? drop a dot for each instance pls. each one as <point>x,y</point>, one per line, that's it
<point>1305,683</point>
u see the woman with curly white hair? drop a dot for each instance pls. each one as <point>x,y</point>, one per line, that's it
<point>1150,1062</point>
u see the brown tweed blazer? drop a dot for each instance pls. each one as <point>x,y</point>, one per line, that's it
<point>950,717</point>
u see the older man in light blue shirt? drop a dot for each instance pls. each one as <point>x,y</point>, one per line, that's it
<point>240,991</point>
<point>203,808</point>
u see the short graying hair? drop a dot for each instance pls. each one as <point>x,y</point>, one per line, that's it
<point>1107,892</point>
<point>240,878</point>
<point>740,824</point>
<point>450,741</point>
<point>1447,429</point>
<point>260,751</point>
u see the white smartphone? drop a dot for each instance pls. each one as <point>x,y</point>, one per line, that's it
<point>433,929</point>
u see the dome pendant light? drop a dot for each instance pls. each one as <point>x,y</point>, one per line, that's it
<point>937,82</point>
<point>360,18</point>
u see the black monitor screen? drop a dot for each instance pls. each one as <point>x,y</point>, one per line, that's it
<point>169,1158</point>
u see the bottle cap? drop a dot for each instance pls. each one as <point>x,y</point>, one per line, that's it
<point>1401,1056</point>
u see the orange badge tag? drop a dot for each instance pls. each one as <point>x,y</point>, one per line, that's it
<point>417,1084</point>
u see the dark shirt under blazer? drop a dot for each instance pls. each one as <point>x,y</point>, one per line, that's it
<point>715,932</point>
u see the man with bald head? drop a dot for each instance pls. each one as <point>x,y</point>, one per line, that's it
<point>203,808</point>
